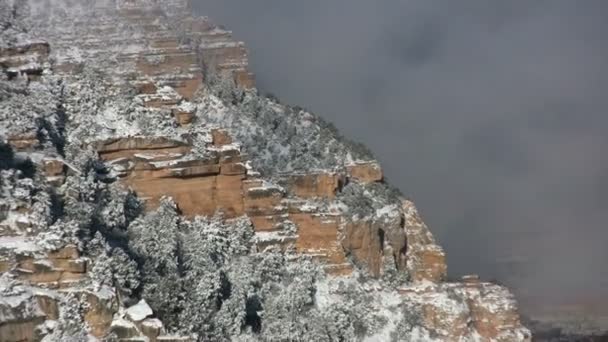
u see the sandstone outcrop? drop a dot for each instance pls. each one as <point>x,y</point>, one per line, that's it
<point>365,172</point>
<point>157,167</point>
<point>425,259</point>
<point>151,43</point>
<point>453,311</point>
<point>27,60</point>
<point>40,281</point>
<point>44,277</point>
<point>37,277</point>
<point>59,269</point>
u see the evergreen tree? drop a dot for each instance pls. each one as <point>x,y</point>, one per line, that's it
<point>154,239</point>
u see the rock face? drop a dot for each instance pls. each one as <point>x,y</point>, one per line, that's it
<point>28,60</point>
<point>37,279</point>
<point>165,54</point>
<point>151,43</point>
<point>59,269</point>
<point>425,258</point>
<point>157,167</point>
<point>454,311</point>
<point>43,277</point>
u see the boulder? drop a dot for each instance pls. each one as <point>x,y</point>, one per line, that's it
<point>99,311</point>
<point>151,328</point>
<point>139,311</point>
<point>365,172</point>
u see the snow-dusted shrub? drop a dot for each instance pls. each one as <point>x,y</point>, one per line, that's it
<point>81,192</point>
<point>98,203</point>
<point>70,326</point>
<point>202,277</point>
<point>115,209</point>
<point>98,108</point>
<point>214,304</point>
<point>7,156</point>
<point>221,84</point>
<point>18,191</point>
<point>341,327</point>
<point>80,156</point>
<point>358,202</point>
<point>355,309</point>
<point>363,200</point>
<point>23,167</point>
<point>280,138</point>
<point>411,319</point>
<point>51,129</point>
<point>112,267</point>
<point>33,108</point>
<point>14,22</point>
<point>155,122</point>
<point>101,269</point>
<point>58,235</point>
<point>393,277</point>
<point>125,272</point>
<point>288,298</point>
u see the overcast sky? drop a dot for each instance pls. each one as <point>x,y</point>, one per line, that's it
<point>490,114</point>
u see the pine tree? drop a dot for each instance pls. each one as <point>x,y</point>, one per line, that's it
<point>154,239</point>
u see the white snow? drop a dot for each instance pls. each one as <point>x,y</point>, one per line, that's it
<point>308,208</point>
<point>228,147</point>
<point>390,211</point>
<point>265,186</point>
<point>20,244</point>
<point>271,237</point>
<point>105,292</point>
<point>154,323</point>
<point>139,311</point>
<point>187,106</point>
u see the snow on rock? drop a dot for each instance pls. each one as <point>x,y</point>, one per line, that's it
<point>388,212</point>
<point>153,323</point>
<point>139,311</point>
<point>152,90</point>
<point>19,244</point>
<point>187,106</point>
<point>123,328</point>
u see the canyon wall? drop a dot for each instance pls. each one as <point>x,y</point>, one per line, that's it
<point>37,272</point>
<point>168,56</point>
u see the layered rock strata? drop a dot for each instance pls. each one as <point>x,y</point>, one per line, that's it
<point>157,167</point>
<point>36,278</point>
<point>163,52</point>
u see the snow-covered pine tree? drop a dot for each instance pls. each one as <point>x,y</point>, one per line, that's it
<point>154,239</point>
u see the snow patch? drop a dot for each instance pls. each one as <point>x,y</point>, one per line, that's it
<point>19,244</point>
<point>139,311</point>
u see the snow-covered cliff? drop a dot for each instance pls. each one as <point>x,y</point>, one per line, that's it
<point>150,192</point>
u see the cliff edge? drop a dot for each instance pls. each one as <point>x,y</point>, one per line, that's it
<point>150,193</point>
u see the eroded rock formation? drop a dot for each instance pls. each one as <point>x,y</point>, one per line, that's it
<point>168,56</point>
<point>36,279</point>
<point>157,167</point>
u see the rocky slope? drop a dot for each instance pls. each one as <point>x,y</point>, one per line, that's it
<point>150,193</point>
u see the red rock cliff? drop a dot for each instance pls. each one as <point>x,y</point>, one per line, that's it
<point>165,53</point>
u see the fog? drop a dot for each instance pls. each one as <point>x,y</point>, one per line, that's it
<point>490,114</point>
